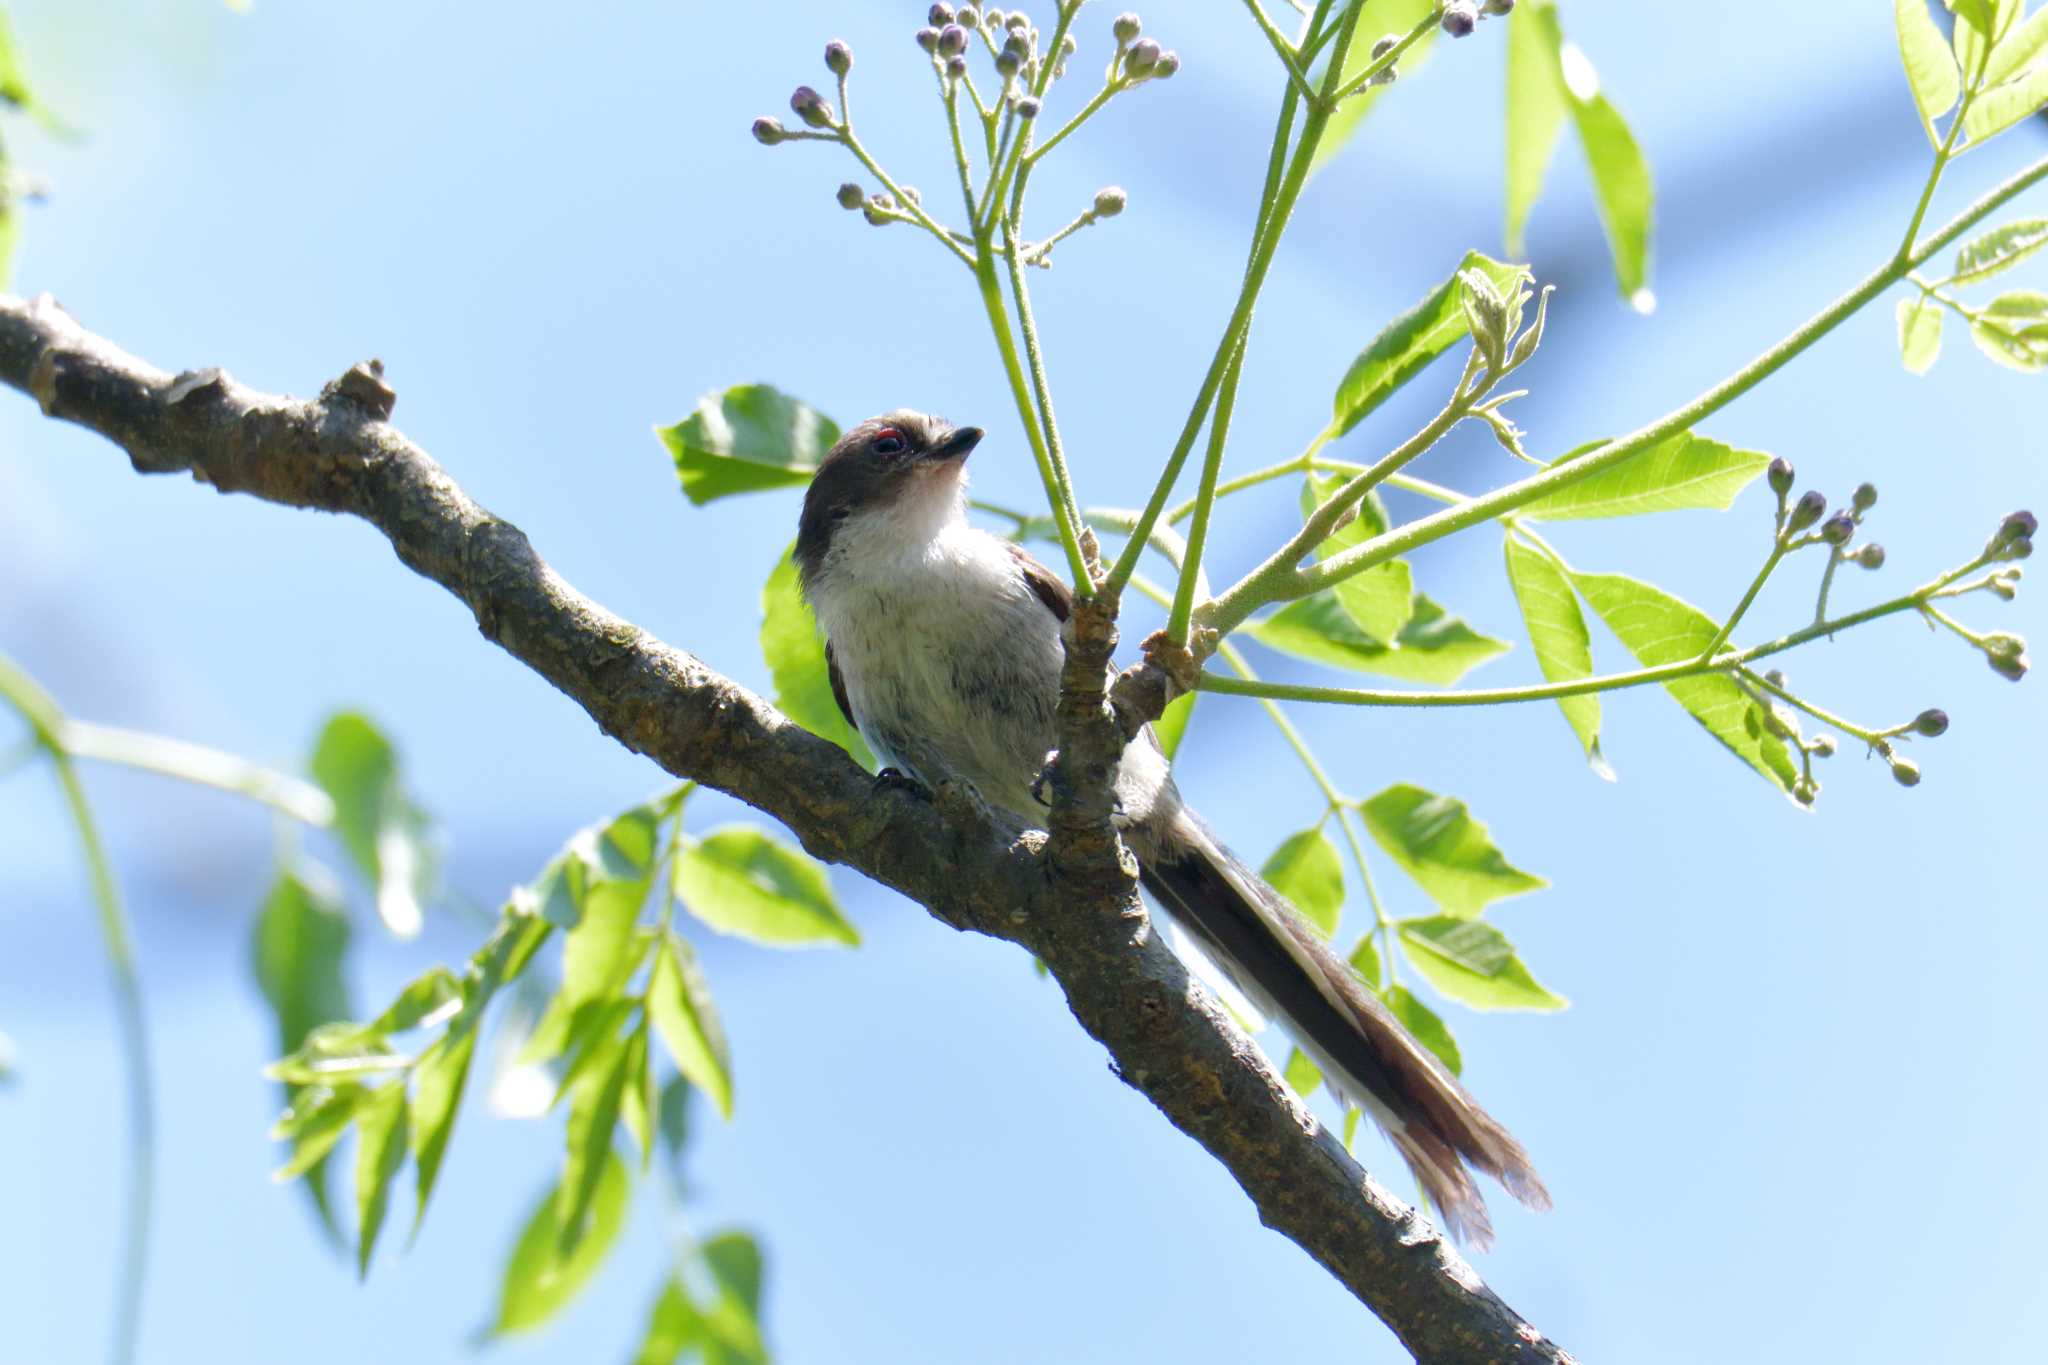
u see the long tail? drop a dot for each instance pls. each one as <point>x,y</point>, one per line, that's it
<point>1280,961</point>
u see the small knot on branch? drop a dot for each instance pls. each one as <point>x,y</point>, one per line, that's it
<point>364,386</point>
<point>204,385</point>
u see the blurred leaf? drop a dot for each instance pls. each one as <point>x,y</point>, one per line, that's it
<point>1172,726</point>
<point>1558,634</point>
<point>1473,963</point>
<point>1302,1075</point>
<point>1682,471</point>
<point>636,1105</point>
<point>2013,330</point>
<point>1930,67</point>
<point>732,1324</point>
<point>735,1262</point>
<point>599,882</point>
<point>380,1151</point>
<point>439,1079</point>
<point>1977,23</point>
<point>337,1052</point>
<point>591,1040</point>
<point>1411,341</point>
<point>593,1117</point>
<point>744,881</point>
<point>747,439</point>
<point>1448,853</point>
<point>2002,106</point>
<point>421,1003</point>
<point>1365,960</point>
<point>538,1283</point>
<point>674,1127</point>
<point>1919,333</point>
<point>680,1004</point>
<point>1430,1031</point>
<point>2019,49</point>
<point>386,835</point>
<point>795,653</point>
<point>301,937</point>
<point>1431,648</point>
<point>1380,600</point>
<point>1386,16</point>
<point>672,1326</point>
<point>2002,248</point>
<point>1660,629</point>
<point>1307,870</point>
<point>318,1117</point>
<point>1536,111</point>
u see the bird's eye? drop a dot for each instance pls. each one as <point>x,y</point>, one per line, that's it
<point>888,441</point>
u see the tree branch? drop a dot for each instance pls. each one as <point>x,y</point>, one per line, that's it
<point>1166,1038</point>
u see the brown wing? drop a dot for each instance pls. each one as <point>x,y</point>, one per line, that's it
<point>839,688</point>
<point>1049,587</point>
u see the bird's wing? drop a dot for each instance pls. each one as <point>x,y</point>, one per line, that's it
<point>1048,586</point>
<point>839,688</point>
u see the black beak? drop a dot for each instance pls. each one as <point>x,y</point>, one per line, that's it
<point>958,443</point>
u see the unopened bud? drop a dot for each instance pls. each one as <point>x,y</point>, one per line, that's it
<point>1905,772</point>
<point>1386,44</point>
<point>1776,677</point>
<point>1109,202</point>
<point>2000,645</point>
<point>1069,45</point>
<point>928,39</point>
<point>2012,668</point>
<point>1143,56</point>
<point>956,67</point>
<point>877,210</point>
<point>1932,723</point>
<point>851,196</point>
<point>1384,76</point>
<point>2004,588</point>
<point>1805,791</point>
<point>1864,498</point>
<point>768,131</point>
<point>1018,21</point>
<point>1781,475</point>
<point>1169,62</point>
<point>1870,555</point>
<point>1838,529</point>
<point>811,107</point>
<point>992,17</point>
<point>1126,28</point>
<point>1812,505</point>
<point>2014,538</point>
<point>952,40</point>
<point>838,57</point>
<point>968,17</point>
<point>1823,746</point>
<point>940,16</point>
<point>911,196</point>
<point>1009,63</point>
<point>1460,18</point>
<point>1497,8</point>
<point>1027,108</point>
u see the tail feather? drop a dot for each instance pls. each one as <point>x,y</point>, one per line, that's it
<point>1284,965</point>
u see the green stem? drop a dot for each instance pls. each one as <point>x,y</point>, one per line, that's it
<point>194,763</point>
<point>1087,111</point>
<point>1847,727</point>
<point>1756,585</point>
<point>1282,50</point>
<point>1205,504</point>
<point>1942,156</point>
<point>1392,55</point>
<point>1060,484</point>
<point>904,201</point>
<point>1020,394</point>
<point>1239,602</point>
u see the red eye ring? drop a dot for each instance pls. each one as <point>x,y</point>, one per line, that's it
<point>888,441</point>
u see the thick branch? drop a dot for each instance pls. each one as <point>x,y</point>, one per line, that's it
<point>1166,1038</point>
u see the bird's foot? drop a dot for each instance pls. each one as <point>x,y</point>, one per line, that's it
<point>895,779</point>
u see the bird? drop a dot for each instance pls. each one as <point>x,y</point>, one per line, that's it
<point>943,647</point>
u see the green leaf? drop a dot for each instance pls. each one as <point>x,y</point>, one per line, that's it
<point>1919,333</point>
<point>745,882</point>
<point>538,1283</point>
<point>301,938</point>
<point>1432,648</point>
<point>1365,960</point>
<point>795,652</point>
<point>674,1127</point>
<point>1380,600</point>
<point>1430,1031</point>
<point>747,439</point>
<point>1679,472</point>
<point>2002,248</point>
<point>423,1003</point>
<point>1930,66</point>
<point>1661,629</point>
<point>1387,16</point>
<point>2019,49</point>
<point>1558,634</point>
<point>1448,853</point>
<point>735,1262</point>
<point>593,1117</point>
<point>380,1151</point>
<point>438,1082</point>
<point>387,837</point>
<point>1306,870</point>
<point>1621,189</point>
<point>1536,110</point>
<point>1473,963</point>
<point>2000,107</point>
<point>636,1106</point>
<point>1172,726</point>
<point>732,1324</point>
<point>680,1005</point>
<point>672,1327</point>
<point>2013,330</point>
<point>597,884</point>
<point>1302,1075</point>
<point>313,1125</point>
<point>1411,341</point>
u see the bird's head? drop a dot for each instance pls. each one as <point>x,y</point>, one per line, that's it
<point>900,472</point>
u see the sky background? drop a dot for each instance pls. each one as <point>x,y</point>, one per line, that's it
<point>1795,1110</point>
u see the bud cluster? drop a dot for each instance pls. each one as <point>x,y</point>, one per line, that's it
<point>1138,58</point>
<point>1460,17</point>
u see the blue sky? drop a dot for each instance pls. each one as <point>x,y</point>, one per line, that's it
<point>1796,1090</point>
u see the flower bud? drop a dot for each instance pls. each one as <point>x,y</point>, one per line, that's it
<point>1864,498</point>
<point>811,107</point>
<point>1838,529</point>
<point>1126,28</point>
<point>1109,202</point>
<point>940,16</point>
<point>2010,668</point>
<point>878,209</point>
<point>1805,791</point>
<point>1386,44</point>
<point>1905,771</point>
<point>993,18</point>
<point>956,67</point>
<point>1497,8</point>
<point>1776,677</point>
<point>838,57</point>
<point>2000,645</point>
<point>768,131</point>
<point>968,17</point>
<point>952,40</point>
<point>911,196</point>
<point>1809,509</point>
<point>1460,18</point>
<point>1028,107</point>
<point>1932,723</point>
<point>1143,56</point>
<point>1870,555</point>
<point>1069,45</point>
<point>1169,62</point>
<point>2014,538</point>
<point>2020,549</point>
<point>851,196</point>
<point>928,39</point>
<point>1018,21</point>
<point>1823,746</point>
<point>1008,64</point>
<point>1386,76</point>
<point>1780,474</point>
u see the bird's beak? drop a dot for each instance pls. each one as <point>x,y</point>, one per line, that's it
<point>958,443</point>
